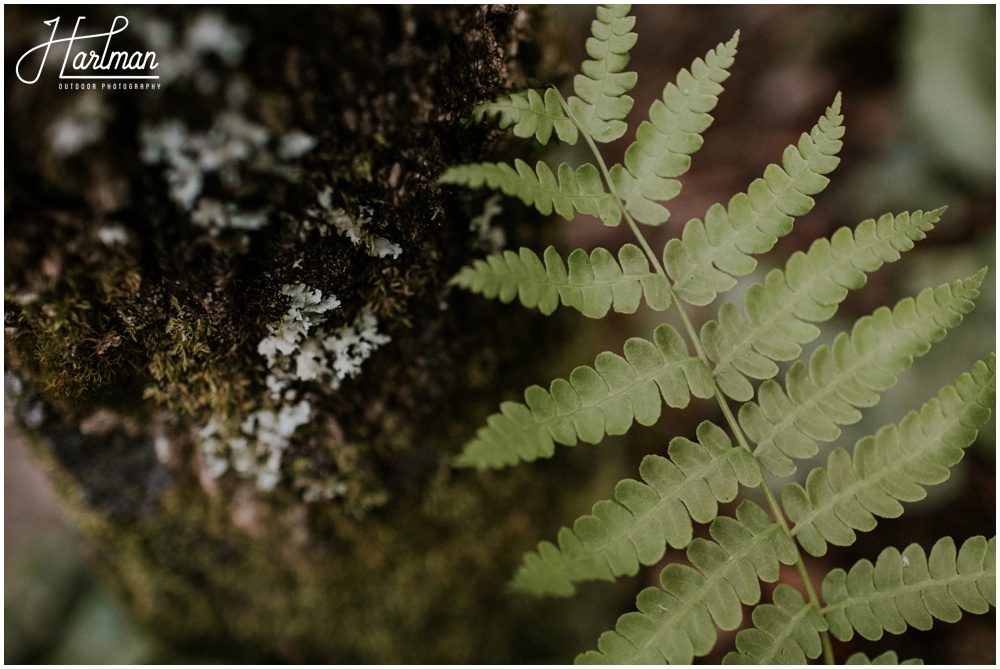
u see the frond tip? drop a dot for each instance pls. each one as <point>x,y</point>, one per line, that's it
<point>664,144</point>
<point>703,262</point>
<point>592,285</point>
<point>910,589</point>
<point>600,102</point>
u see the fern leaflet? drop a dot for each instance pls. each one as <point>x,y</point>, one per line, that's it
<point>779,310</point>
<point>600,102</point>
<point>580,190</point>
<point>909,589</point>
<point>893,465</point>
<point>701,261</point>
<point>598,400</point>
<point>531,115</point>
<point>677,623</point>
<point>888,657</point>
<point>664,143</point>
<point>593,285</point>
<point>849,374</point>
<point>785,632</point>
<point>636,526</point>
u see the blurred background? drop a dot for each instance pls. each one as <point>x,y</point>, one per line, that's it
<point>919,90</point>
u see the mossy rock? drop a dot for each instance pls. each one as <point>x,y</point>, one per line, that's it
<point>142,276</point>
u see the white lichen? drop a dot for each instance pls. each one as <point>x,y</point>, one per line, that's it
<point>254,448</point>
<point>489,237</point>
<point>206,34</point>
<point>211,33</point>
<point>295,144</point>
<point>217,216</point>
<point>234,145</point>
<point>305,312</point>
<point>301,348</point>
<point>110,235</point>
<point>81,125</point>
<point>328,216</point>
<point>350,346</point>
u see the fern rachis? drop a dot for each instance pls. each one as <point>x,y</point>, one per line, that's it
<point>774,425</point>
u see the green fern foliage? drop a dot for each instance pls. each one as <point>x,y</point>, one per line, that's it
<point>644,518</point>
<point>767,425</point>
<point>573,191</point>
<point>703,262</point>
<point>595,401</point>
<point>677,622</point>
<point>779,311</point>
<point>891,466</point>
<point>785,632</point>
<point>663,145</point>
<point>911,589</point>
<point>825,393</point>
<point>600,103</point>
<point>888,657</point>
<point>531,115</point>
<point>592,285</point>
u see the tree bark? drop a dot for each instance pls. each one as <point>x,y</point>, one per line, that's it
<point>263,470</point>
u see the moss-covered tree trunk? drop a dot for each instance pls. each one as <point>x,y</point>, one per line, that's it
<point>229,334</point>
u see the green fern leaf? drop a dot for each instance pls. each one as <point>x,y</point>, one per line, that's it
<point>593,285</point>
<point>600,102</point>
<point>636,526</point>
<point>823,394</point>
<point>909,589</point>
<point>893,465</point>
<point>888,657</point>
<point>599,400</point>
<point>531,114</point>
<point>664,144</point>
<point>580,191</point>
<point>703,262</point>
<point>785,632</point>
<point>779,310</point>
<point>677,623</point>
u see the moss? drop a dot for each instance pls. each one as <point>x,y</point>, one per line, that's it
<point>371,548</point>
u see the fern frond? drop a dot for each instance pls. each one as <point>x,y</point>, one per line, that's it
<point>893,465</point>
<point>574,191</point>
<point>785,632</point>
<point>677,623</point>
<point>593,285</point>
<point>909,589</point>
<point>600,102</point>
<point>888,657</point>
<point>531,114</point>
<point>780,310</point>
<point>636,526</point>
<point>663,145</point>
<point>703,262</point>
<point>598,400</point>
<point>824,394</point>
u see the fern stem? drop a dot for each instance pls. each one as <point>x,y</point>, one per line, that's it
<point>772,501</point>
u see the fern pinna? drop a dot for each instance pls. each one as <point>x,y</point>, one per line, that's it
<point>733,357</point>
